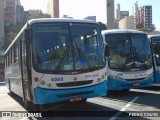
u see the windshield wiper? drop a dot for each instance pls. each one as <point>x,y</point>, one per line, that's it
<point>92,36</point>
<point>61,61</point>
<point>83,56</point>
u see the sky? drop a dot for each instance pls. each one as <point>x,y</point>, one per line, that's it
<point>83,8</point>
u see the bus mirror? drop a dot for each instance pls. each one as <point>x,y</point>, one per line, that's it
<point>157,59</point>
<point>154,44</point>
<point>156,55</point>
<point>27,36</point>
<point>106,50</point>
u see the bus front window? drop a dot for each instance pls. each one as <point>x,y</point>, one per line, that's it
<point>129,51</point>
<point>88,46</point>
<point>67,47</point>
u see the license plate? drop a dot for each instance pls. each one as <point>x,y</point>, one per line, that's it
<point>75,99</point>
<point>136,84</point>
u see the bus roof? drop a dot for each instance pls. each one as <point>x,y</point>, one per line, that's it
<point>156,35</point>
<point>113,31</point>
<point>45,20</point>
<point>42,20</point>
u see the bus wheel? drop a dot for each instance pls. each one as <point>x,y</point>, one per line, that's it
<point>30,106</point>
<point>10,91</point>
<point>125,90</point>
<point>83,100</point>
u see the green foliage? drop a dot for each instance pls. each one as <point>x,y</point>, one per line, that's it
<point>40,15</point>
<point>9,38</point>
<point>142,29</point>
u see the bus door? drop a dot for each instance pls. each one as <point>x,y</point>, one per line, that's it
<point>24,72</point>
<point>156,60</point>
<point>1,75</point>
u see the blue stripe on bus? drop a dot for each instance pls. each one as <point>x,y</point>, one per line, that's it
<point>113,84</point>
<point>157,77</point>
<point>46,96</point>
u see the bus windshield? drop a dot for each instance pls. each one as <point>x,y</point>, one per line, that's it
<point>61,47</point>
<point>129,51</point>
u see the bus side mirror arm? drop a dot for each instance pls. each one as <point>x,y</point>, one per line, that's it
<point>106,50</point>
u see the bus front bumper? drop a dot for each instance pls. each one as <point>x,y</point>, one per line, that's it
<point>114,84</point>
<point>46,96</point>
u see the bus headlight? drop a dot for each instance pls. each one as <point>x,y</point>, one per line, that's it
<point>105,73</point>
<point>49,84</point>
<point>102,77</point>
<point>117,78</point>
<point>150,75</point>
<point>42,82</point>
<point>98,80</point>
<point>36,79</point>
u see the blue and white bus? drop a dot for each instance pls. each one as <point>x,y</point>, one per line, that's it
<point>53,60</point>
<point>2,65</point>
<point>129,60</point>
<point>155,42</point>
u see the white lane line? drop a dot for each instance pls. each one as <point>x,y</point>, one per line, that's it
<point>123,109</point>
<point>107,103</point>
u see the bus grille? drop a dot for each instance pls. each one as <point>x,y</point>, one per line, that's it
<point>76,83</point>
<point>135,79</point>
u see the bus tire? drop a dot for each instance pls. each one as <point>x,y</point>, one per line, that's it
<point>30,106</point>
<point>125,90</point>
<point>10,91</point>
<point>83,100</point>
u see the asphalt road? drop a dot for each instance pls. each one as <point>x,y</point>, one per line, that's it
<point>114,106</point>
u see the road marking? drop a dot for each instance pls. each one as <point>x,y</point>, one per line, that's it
<point>124,108</point>
<point>147,91</point>
<point>106,103</point>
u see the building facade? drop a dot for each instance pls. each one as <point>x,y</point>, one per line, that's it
<point>93,18</point>
<point>110,14</point>
<point>120,14</point>
<point>53,8</point>
<point>9,12</point>
<point>19,13</point>
<point>1,25</point>
<point>124,14</point>
<point>13,11</point>
<point>126,23</point>
<point>146,18</point>
<point>143,17</point>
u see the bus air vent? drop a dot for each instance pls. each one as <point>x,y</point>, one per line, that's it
<point>135,79</point>
<point>76,83</point>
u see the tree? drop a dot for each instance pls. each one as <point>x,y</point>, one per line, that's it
<point>141,29</point>
<point>10,37</point>
<point>39,15</point>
